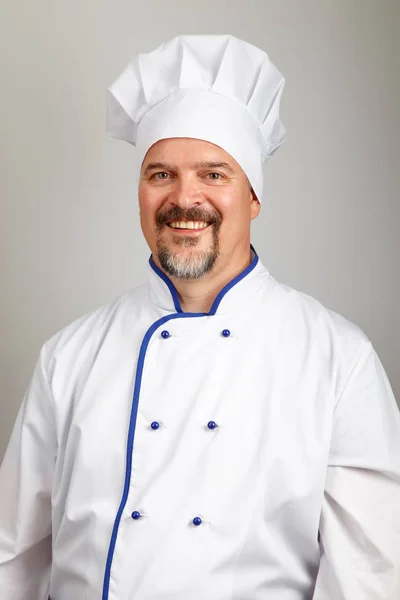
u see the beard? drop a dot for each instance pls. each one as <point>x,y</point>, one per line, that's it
<point>195,263</point>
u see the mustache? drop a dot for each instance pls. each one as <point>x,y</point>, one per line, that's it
<point>195,213</point>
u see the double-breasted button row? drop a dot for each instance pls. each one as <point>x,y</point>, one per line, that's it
<point>136,515</point>
<point>166,334</point>
<point>156,425</point>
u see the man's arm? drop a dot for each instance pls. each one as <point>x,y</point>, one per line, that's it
<point>360,521</point>
<point>25,496</point>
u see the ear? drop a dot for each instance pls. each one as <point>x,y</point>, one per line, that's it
<point>255,206</point>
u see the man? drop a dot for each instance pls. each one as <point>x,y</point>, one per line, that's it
<point>212,434</point>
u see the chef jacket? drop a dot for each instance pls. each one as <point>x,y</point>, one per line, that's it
<point>247,453</point>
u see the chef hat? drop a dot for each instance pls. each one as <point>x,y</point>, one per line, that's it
<point>210,87</point>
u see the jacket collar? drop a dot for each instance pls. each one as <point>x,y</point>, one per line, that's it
<point>163,293</point>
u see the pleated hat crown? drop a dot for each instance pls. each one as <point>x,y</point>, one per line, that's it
<point>216,88</point>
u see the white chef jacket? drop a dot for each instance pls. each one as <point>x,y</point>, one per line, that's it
<point>250,453</point>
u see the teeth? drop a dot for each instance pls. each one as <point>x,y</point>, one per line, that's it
<point>188,224</point>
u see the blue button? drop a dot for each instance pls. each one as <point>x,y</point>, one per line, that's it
<point>136,515</point>
<point>197,521</point>
<point>226,333</point>
<point>212,424</point>
<point>165,334</point>
<point>155,425</point>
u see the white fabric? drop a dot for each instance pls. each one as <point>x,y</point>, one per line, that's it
<point>210,87</point>
<point>308,438</point>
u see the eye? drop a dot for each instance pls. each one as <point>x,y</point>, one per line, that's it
<point>160,175</point>
<point>214,176</point>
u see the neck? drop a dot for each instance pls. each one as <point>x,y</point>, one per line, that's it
<point>198,295</point>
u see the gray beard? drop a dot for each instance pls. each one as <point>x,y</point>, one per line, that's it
<point>194,266</point>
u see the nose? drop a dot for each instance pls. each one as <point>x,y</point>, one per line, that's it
<point>186,192</point>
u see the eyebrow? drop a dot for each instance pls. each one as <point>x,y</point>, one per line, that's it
<point>157,165</point>
<point>199,165</point>
<point>213,165</point>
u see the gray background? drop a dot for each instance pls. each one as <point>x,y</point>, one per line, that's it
<point>69,230</point>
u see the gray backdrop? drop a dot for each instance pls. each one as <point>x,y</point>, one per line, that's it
<point>70,237</point>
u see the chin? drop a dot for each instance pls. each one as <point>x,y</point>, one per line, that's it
<point>186,265</point>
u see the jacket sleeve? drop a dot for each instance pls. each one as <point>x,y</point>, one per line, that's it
<point>360,519</point>
<point>25,495</point>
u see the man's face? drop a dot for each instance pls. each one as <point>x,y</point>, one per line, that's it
<point>196,205</point>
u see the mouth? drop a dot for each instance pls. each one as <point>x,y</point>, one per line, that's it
<point>189,226</point>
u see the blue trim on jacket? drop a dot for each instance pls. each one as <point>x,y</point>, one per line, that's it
<point>131,432</point>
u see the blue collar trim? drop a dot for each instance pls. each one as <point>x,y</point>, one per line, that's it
<point>220,295</point>
<point>169,283</point>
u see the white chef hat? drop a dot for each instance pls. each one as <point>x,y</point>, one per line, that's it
<point>210,87</point>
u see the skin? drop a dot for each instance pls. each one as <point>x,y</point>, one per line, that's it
<point>182,180</point>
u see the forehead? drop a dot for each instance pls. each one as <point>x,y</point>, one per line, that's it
<point>186,151</point>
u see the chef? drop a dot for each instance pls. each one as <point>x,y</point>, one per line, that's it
<point>212,434</point>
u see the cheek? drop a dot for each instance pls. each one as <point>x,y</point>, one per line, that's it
<point>149,204</point>
<point>147,216</point>
<point>234,208</point>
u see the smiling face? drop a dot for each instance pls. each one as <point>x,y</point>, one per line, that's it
<point>196,206</point>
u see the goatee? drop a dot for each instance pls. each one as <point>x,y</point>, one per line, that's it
<point>197,263</point>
